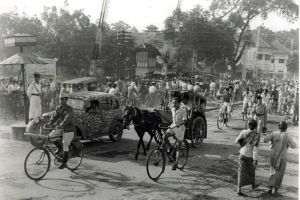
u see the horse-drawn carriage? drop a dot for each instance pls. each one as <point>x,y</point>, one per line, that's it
<point>196,126</point>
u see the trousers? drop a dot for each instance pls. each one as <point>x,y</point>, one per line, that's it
<point>67,137</point>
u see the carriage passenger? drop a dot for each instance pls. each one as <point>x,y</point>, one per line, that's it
<point>186,104</point>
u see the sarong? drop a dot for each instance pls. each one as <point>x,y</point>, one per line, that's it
<point>276,176</point>
<point>246,171</point>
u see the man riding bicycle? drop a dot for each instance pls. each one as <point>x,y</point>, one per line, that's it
<point>226,104</point>
<point>247,97</point>
<point>62,119</point>
<point>177,128</point>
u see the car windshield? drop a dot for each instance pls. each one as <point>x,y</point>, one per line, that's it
<point>77,104</point>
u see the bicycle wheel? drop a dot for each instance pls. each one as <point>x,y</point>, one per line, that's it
<point>183,155</point>
<point>220,121</point>
<point>37,163</point>
<point>156,162</point>
<point>75,157</point>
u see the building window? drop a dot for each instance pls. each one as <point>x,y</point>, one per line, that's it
<point>267,57</point>
<point>281,60</point>
<point>260,56</point>
<point>272,61</point>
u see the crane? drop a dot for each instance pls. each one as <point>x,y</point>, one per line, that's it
<point>99,38</point>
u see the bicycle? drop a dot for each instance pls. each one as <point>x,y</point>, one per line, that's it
<point>156,159</point>
<point>37,161</point>
<point>246,112</point>
<point>222,118</point>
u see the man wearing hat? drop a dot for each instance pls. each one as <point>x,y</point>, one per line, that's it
<point>62,119</point>
<point>260,114</point>
<point>33,93</point>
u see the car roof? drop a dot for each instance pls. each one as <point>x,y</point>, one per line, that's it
<point>89,95</point>
<point>81,80</point>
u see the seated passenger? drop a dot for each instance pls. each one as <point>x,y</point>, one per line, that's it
<point>186,104</point>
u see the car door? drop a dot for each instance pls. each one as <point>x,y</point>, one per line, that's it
<point>93,120</point>
<point>108,113</point>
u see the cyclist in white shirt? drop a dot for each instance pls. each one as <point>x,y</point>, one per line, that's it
<point>247,101</point>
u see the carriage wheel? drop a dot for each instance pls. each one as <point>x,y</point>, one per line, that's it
<point>197,131</point>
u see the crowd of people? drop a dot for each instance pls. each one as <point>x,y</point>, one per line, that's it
<point>258,98</point>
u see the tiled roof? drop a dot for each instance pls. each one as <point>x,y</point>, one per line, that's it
<point>152,50</point>
<point>277,47</point>
<point>153,27</point>
<point>261,42</point>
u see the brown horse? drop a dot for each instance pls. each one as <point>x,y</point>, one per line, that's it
<point>143,121</point>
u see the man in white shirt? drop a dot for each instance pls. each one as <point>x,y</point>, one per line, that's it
<point>212,88</point>
<point>179,118</point>
<point>247,99</point>
<point>114,90</point>
<point>184,85</point>
<point>190,87</point>
<point>197,88</point>
<point>236,90</point>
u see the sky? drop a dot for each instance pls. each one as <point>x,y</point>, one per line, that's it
<point>138,13</point>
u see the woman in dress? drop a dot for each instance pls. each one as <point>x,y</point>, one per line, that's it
<point>280,140</point>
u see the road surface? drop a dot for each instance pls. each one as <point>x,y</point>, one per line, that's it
<point>109,170</point>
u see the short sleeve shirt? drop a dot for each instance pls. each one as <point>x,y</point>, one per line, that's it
<point>178,116</point>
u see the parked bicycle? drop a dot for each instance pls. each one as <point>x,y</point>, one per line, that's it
<point>156,159</point>
<point>37,161</point>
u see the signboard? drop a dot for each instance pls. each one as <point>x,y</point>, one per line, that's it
<point>20,41</point>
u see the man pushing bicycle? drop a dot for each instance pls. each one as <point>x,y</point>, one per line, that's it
<point>62,119</point>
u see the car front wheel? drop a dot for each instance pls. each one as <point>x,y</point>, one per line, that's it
<point>117,132</point>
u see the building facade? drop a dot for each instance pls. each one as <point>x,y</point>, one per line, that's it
<point>146,59</point>
<point>265,60</point>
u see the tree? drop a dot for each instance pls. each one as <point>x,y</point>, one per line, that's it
<point>196,32</point>
<point>68,37</point>
<point>293,63</point>
<point>14,23</point>
<point>120,26</point>
<point>239,13</point>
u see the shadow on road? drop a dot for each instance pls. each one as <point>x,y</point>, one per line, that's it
<point>65,185</point>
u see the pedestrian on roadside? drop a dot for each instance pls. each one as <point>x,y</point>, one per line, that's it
<point>212,88</point>
<point>248,141</point>
<point>63,90</point>
<point>280,140</point>
<point>33,92</point>
<point>190,86</point>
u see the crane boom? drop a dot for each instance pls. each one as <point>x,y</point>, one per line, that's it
<point>99,38</point>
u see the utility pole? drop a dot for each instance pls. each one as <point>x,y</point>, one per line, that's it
<point>123,38</point>
<point>257,47</point>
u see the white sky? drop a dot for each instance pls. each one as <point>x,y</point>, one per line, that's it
<point>138,13</point>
